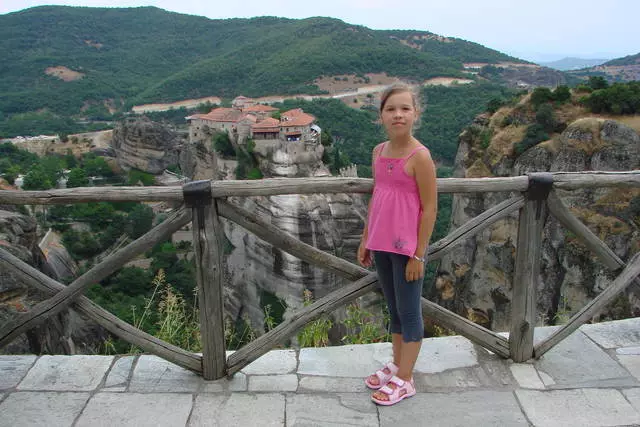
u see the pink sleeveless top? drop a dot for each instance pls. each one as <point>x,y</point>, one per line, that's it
<point>394,216</point>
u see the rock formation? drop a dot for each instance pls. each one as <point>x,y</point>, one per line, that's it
<point>66,333</point>
<point>475,280</point>
<point>145,145</point>
<point>332,223</point>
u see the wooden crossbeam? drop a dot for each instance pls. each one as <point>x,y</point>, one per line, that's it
<point>594,306</point>
<point>297,320</point>
<point>112,263</point>
<point>276,186</point>
<point>586,236</point>
<point>111,323</point>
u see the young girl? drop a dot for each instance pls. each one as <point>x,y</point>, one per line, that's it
<point>402,213</point>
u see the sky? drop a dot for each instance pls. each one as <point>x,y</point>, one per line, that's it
<point>536,30</point>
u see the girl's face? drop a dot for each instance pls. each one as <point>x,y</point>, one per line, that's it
<point>398,114</point>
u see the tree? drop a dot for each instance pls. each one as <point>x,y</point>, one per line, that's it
<point>11,174</point>
<point>222,144</point>
<point>545,116</point>
<point>77,178</point>
<point>140,220</point>
<point>131,281</point>
<point>540,96</point>
<point>494,105</point>
<point>96,166</point>
<point>598,82</point>
<point>37,179</point>
<point>325,138</point>
<point>562,94</point>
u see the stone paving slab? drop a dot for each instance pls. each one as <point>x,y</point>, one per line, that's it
<point>581,407</point>
<point>118,377</point>
<point>340,409</point>
<point>332,385</point>
<point>441,354</point>
<point>344,361</point>
<point>526,376</point>
<point>273,383</point>
<point>13,369</point>
<point>236,383</point>
<point>453,379</point>
<point>155,375</point>
<point>579,362</point>
<point>51,409</point>
<point>239,410</point>
<point>274,362</point>
<point>136,410</point>
<point>619,333</point>
<point>473,408</point>
<point>633,396</point>
<point>66,373</point>
<point>631,363</point>
<point>436,355</point>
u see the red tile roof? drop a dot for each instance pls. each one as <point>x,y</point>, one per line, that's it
<point>267,125</point>
<point>296,117</point>
<point>223,115</point>
<point>259,108</point>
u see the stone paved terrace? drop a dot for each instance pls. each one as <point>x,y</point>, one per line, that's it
<point>591,379</point>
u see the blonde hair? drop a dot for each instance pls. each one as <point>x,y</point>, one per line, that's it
<point>399,88</point>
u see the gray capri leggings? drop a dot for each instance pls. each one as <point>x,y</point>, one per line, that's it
<point>403,298</point>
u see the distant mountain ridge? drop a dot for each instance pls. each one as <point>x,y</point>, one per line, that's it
<point>68,59</point>
<point>619,69</point>
<point>627,60</point>
<point>569,63</point>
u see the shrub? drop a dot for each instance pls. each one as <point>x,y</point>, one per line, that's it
<point>598,82</point>
<point>222,144</point>
<point>136,176</point>
<point>494,104</point>
<point>540,96</point>
<point>545,116</point>
<point>562,94</point>
<point>316,333</point>
<point>535,135</point>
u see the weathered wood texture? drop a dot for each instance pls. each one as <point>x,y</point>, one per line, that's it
<point>208,238</point>
<point>596,179</point>
<point>111,323</point>
<point>474,226</point>
<point>285,241</point>
<point>527,267</point>
<point>113,262</point>
<point>91,194</point>
<point>631,272</point>
<point>274,186</point>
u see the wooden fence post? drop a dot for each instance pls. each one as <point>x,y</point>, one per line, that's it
<point>207,242</point>
<point>527,267</point>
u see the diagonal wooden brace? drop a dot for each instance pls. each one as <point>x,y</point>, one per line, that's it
<point>113,262</point>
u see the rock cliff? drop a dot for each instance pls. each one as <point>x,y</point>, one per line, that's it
<point>257,272</point>
<point>66,333</point>
<point>146,145</point>
<point>475,280</point>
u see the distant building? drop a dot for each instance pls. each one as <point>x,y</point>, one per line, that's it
<point>246,119</point>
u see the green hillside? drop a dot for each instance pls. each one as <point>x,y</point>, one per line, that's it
<point>146,54</point>
<point>627,60</point>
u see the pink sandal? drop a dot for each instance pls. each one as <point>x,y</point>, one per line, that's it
<point>383,377</point>
<point>402,390</point>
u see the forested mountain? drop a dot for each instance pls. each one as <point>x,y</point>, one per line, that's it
<point>126,56</point>
<point>627,60</point>
<point>617,70</point>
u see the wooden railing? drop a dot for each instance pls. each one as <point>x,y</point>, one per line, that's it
<point>205,202</point>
